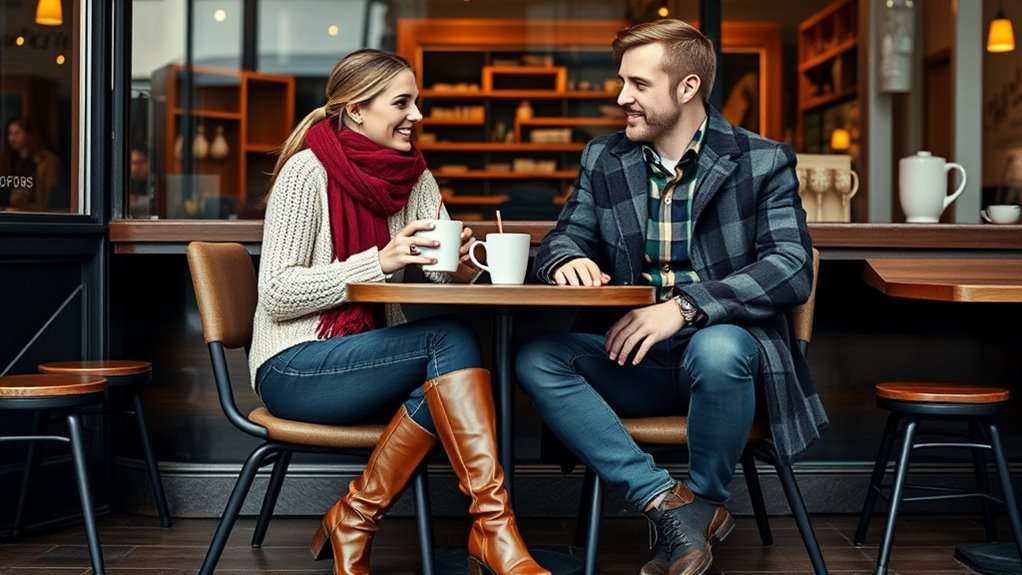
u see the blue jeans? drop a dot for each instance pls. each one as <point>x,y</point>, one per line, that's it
<point>362,377</point>
<point>582,395</point>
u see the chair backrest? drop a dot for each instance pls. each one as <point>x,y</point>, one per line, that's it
<point>802,316</point>
<point>224,279</point>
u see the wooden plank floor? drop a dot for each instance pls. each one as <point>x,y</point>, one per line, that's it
<point>137,545</point>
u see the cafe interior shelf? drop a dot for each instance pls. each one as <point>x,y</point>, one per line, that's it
<point>508,112</point>
<point>828,47</point>
<point>231,137</point>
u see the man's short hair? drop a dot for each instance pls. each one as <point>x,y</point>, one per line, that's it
<point>686,50</point>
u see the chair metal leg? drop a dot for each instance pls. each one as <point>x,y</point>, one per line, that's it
<point>593,524</point>
<point>798,509</point>
<point>876,479</point>
<point>150,460</point>
<point>270,499</point>
<point>1005,477</point>
<point>423,519</point>
<point>979,464</point>
<point>74,427</point>
<point>582,523</point>
<point>31,461</point>
<point>756,496</point>
<point>223,530</point>
<point>897,492</point>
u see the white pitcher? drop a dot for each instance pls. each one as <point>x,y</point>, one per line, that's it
<point>922,186</point>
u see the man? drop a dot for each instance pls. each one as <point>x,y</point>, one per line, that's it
<point>709,215</point>
<point>139,200</point>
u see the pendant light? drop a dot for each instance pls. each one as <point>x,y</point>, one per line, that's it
<point>49,13</point>
<point>1001,37</point>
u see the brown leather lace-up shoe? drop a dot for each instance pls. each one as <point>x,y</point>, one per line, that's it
<point>687,529</point>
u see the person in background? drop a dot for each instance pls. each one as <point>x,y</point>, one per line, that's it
<point>348,194</point>
<point>139,199</point>
<point>709,215</point>
<point>31,177</point>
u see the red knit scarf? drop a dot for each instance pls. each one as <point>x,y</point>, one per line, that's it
<point>366,183</point>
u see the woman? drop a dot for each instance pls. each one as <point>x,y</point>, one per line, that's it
<point>349,192</point>
<point>34,173</point>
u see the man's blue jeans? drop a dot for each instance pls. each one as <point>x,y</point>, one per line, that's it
<point>363,377</point>
<point>582,395</point>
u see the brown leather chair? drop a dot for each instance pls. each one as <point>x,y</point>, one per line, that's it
<point>224,279</point>
<point>672,431</point>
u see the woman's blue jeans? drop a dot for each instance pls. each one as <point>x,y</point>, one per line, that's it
<point>582,395</point>
<point>364,377</point>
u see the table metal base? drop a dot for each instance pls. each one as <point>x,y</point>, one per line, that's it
<point>455,562</point>
<point>990,558</point>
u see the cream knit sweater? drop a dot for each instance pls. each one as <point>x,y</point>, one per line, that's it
<point>298,276</point>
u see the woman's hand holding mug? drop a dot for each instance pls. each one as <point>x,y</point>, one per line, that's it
<point>405,248</point>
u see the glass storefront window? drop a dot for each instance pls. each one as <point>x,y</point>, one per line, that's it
<point>511,91</point>
<point>40,102</point>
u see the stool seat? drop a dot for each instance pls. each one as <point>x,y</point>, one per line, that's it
<point>106,367</point>
<point>49,385</point>
<point>941,392</point>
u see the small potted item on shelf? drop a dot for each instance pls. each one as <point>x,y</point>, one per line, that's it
<point>219,150</point>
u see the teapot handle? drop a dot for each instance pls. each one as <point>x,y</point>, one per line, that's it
<point>961,187</point>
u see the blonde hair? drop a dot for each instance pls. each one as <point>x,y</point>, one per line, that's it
<point>356,79</point>
<point>686,50</point>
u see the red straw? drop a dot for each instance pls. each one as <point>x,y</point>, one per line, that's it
<point>500,224</point>
<point>439,208</point>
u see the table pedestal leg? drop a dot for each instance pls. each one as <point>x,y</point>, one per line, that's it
<point>504,386</point>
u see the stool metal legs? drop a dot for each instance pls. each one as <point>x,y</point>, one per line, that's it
<point>897,492</point>
<point>74,427</point>
<point>150,460</point>
<point>31,460</point>
<point>1005,475</point>
<point>980,442</point>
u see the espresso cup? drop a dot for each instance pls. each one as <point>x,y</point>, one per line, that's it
<point>448,233</point>
<point>507,257</point>
<point>1001,214</point>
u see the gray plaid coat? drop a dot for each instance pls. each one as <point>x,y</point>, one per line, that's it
<point>750,248</point>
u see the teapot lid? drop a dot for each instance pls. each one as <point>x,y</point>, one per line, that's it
<point>924,154</point>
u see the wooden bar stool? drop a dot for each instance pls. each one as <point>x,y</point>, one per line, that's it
<point>45,393</point>
<point>913,403</point>
<point>127,375</point>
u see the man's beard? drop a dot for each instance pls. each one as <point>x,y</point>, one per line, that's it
<point>654,126</point>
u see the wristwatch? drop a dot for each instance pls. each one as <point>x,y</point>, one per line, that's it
<point>688,309</point>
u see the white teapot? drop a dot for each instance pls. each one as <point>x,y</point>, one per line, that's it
<point>922,186</point>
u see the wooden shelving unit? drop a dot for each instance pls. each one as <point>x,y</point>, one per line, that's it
<point>828,45</point>
<point>234,102</point>
<point>560,68</point>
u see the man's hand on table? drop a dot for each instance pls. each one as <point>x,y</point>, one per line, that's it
<point>580,272</point>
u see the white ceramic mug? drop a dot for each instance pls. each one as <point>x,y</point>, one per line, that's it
<point>922,186</point>
<point>507,256</point>
<point>1004,214</point>
<point>448,233</point>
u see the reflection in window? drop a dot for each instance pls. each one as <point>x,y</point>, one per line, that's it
<point>38,55</point>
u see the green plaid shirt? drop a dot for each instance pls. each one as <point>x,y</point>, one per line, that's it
<point>669,228</point>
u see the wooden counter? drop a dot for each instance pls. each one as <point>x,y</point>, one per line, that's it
<point>835,241</point>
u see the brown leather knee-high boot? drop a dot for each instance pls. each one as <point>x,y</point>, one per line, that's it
<point>461,404</point>
<point>350,524</point>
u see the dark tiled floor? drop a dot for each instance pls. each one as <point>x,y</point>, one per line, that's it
<point>137,545</point>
